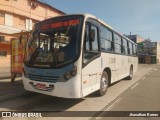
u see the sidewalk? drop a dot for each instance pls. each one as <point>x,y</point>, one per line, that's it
<point>5,61</point>
<point>5,67</point>
<point>9,90</point>
<point>5,73</point>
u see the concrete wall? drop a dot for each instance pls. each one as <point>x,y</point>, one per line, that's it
<point>18,15</point>
<point>23,8</point>
<point>5,47</point>
<point>139,39</point>
<point>135,38</point>
<point>158,52</point>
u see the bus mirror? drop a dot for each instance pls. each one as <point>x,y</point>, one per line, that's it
<point>92,34</point>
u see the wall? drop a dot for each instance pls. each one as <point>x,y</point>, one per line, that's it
<point>135,38</point>
<point>19,22</point>
<point>23,8</point>
<point>2,18</point>
<point>139,39</point>
<point>158,52</point>
<point>18,15</point>
<point>5,47</point>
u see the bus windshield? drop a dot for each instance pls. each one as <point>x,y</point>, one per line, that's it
<point>54,42</point>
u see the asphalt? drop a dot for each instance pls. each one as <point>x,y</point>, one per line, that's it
<point>9,89</point>
<point>14,97</point>
<point>141,97</point>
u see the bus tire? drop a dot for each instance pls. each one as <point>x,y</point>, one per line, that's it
<point>104,83</point>
<point>130,73</point>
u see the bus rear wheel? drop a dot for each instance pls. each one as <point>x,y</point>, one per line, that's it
<point>104,83</point>
<point>130,73</point>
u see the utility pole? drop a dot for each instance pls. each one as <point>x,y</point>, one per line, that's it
<point>149,45</point>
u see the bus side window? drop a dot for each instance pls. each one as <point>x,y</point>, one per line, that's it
<point>90,49</point>
<point>106,39</point>
<point>94,38</point>
<point>125,47</point>
<point>86,39</point>
<point>117,43</point>
<point>135,50</point>
<point>130,48</point>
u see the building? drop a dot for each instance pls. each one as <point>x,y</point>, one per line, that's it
<point>135,38</point>
<point>150,49</point>
<point>158,52</point>
<point>146,49</point>
<point>18,15</point>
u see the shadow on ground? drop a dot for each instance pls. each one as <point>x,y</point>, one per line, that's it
<point>29,101</point>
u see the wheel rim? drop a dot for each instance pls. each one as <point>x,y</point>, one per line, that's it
<point>104,83</point>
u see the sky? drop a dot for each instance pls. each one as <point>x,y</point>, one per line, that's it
<point>141,17</point>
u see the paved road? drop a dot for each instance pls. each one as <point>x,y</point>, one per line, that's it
<point>19,100</point>
<point>144,95</point>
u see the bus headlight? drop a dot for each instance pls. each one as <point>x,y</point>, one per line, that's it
<point>73,72</point>
<point>69,74</point>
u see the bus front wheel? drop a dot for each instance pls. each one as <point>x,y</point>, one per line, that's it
<point>103,84</point>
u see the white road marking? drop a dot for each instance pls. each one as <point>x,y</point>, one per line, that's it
<point>134,86</point>
<point>111,106</point>
<point>143,78</point>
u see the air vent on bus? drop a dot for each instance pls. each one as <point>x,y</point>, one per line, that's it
<point>43,78</point>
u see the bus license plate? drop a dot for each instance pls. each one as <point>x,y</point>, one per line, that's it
<point>41,86</point>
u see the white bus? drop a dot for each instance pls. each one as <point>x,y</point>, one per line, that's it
<point>72,56</point>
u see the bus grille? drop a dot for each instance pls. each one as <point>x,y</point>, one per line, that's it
<point>52,79</point>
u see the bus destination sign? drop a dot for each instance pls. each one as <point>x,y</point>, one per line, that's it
<point>60,24</point>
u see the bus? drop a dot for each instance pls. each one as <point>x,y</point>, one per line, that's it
<point>72,56</point>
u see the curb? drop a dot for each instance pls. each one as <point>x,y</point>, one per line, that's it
<point>8,77</point>
<point>5,77</point>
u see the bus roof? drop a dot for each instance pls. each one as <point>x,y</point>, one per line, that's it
<point>87,15</point>
<point>99,20</point>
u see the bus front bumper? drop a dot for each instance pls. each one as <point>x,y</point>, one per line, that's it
<point>69,89</point>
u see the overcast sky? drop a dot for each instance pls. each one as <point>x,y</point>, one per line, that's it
<point>140,17</point>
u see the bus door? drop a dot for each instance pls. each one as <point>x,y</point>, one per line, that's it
<point>91,59</point>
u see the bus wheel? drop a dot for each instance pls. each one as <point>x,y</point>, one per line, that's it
<point>103,84</point>
<point>130,73</point>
